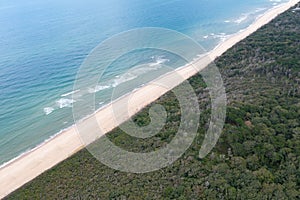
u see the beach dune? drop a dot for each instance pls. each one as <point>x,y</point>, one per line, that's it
<point>30,165</point>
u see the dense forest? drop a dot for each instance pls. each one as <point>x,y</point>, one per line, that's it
<point>256,157</point>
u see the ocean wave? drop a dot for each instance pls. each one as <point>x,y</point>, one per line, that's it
<point>242,18</point>
<point>221,36</point>
<point>98,88</point>
<point>48,110</point>
<point>245,16</point>
<point>122,79</point>
<point>158,61</point>
<point>69,93</point>
<point>131,74</point>
<point>63,102</point>
<point>275,2</point>
<point>136,72</point>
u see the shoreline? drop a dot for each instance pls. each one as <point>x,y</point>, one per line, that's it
<point>67,142</point>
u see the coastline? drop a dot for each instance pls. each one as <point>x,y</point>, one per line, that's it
<point>68,142</point>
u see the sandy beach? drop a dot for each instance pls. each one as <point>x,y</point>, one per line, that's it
<point>32,164</point>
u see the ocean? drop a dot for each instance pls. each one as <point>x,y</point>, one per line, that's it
<point>43,43</point>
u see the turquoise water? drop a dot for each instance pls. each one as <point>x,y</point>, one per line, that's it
<point>43,43</point>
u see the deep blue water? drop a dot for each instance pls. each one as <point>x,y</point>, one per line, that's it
<point>44,42</point>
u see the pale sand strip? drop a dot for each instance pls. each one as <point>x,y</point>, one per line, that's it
<point>32,164</point>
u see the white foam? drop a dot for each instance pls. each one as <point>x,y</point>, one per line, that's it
<point>62,103</point>
<point>48,110</point>
<point>131,74</point>
<point>259,10</point>
<point>122,79</point>
<point>241,19</point>
<point>136,72</point>
<point>98,88</point>
<point>158,61</point>
<point>69,93</point>
<point>221,36</point>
